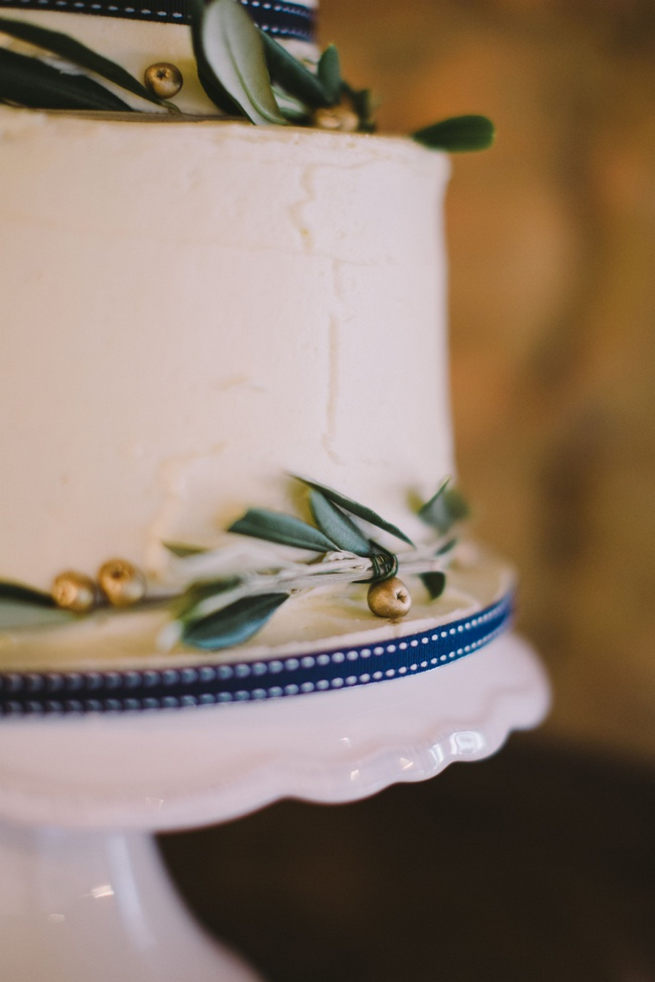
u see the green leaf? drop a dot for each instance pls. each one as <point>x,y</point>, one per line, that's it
<point>337,526</point>
<point>446,547</point>
<point>446,507</point>
<point>291,75</point>
<point>231,57</point>
<point>233,624</point>
<point>277,527</point>
<point>23,607</point>
<point>294,112</point>
<point>208,80</point>
<point>181,550</point>
<point>18,593</point>
<point>329,72</point>
<point>201,591</point>
<point>457,134</point>
<point>362,101</point>
<point>432,505</point>
<point>30,82</point>
<point>361,511</point>
<point>25,616</point>
<point>66,47</point>
<point>434,583</point>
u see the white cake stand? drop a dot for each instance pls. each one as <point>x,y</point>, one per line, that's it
<point>82,892</point>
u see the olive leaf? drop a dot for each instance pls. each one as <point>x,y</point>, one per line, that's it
<point>457,134</point>
<point>235,623</point>
<point>277,527</point>
<point>362,103</point>
<point>66,47</point>
<point>337,526</point>
<point>329,73</point>
<point>21,606</point>
<point>210,83</point>
<point>19,593</point>
<point>200,591</point>
<point>361,511</point>
<point>432,505</point>
<point>29,82</point>
<point>182,550</point>
<point>434,583</point>
<point>446,507</point>
<point>294,111</point>
<point>292,76</point>
<point>231,61</point>
<point>215,91</point>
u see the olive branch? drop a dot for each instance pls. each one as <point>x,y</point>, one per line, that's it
<point>244,72</point>
<point>219,608</point>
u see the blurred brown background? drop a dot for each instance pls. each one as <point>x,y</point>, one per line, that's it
<point>552,245</point>
<point>538,864</point>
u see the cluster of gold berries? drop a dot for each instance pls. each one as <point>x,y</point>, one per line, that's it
<point>118,582</point>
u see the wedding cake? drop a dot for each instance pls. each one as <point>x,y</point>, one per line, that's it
<point>227,450</point>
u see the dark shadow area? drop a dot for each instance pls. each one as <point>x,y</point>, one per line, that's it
<point>535,865</point>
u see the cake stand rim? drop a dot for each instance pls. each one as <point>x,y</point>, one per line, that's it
<point>371,738</point>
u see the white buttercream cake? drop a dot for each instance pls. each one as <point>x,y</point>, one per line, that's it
<point>193,310</point>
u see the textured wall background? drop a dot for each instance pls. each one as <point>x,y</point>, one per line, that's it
<point>552,244</point>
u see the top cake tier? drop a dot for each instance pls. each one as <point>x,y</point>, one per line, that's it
<point>193,309</point>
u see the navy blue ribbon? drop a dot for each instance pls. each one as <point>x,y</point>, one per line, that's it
<point>277,17</point>
<point>30,693</point>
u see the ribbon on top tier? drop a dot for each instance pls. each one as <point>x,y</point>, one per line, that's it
<point>284,20</point>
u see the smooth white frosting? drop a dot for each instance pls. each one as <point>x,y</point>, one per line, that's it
<point>192,309</point>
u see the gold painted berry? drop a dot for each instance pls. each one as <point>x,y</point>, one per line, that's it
<point>74,591</point>
<point>336,118</point>
<point>163,79</point>
<point>121,582</point>
<point>389,598</point>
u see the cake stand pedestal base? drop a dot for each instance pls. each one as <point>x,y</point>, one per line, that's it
<point>98,906</point>
<point>83,895</point>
